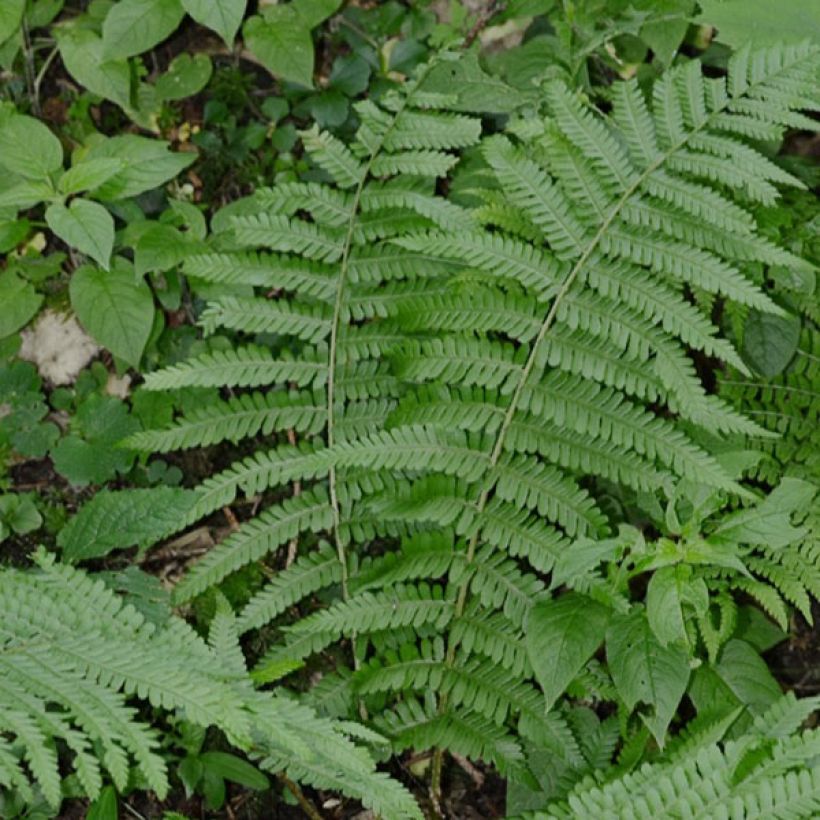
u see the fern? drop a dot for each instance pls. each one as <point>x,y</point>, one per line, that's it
<point>767,772</point>
<point>74,655</point>
<point>461,384</point>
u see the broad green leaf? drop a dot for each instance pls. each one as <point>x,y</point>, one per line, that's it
<point>769,341</point>
<point>562,635</point>
<point>762,22</point>
<point>314,12</point>
<point>147,164</point>
<point>233,768</point>
<point>135,26</point>
<point>118,520</point>
<point>89,454</point>
<point>28,148</point>
<point>84,225</point>
<point>115,308</point>
<point>12,233</point>
<point>81,51</point>
<point>19,301</point>
<point>25,194</point>
<point>282,41</point>
<point>474,88</point>
<point>768,523</point>
<point>645,671</point>
<point>11,15</point>
<point>664,605</point>
<point>743,670</point>
<point>162,247</point>
<point>222,16</point>
<point>185,77</point>
<point>666,27</point>
<point>88,175</point>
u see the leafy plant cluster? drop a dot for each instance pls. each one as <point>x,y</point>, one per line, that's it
<point>411,403</point>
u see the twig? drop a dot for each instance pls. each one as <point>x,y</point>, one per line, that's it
<point>484,17</point>
<point>307,807</point>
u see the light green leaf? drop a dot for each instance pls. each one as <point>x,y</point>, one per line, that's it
<point>88,175</point>
<point>147,164</point>
<point>11,15</point>
<point>222,16</point>
<point>28,148</point>
<point>25,194</point>
<point>768,523</point>
<point>663,605</point>
<point>282,41</point>
<point>644,670</point>
<point>743,670</point>
<point>162,247</point>
<point>185,77</point>
<point>20,302</point>
<point>761,22</point>
<point>84,225</point>
<point>769,341</point>
<point>562,634</point>
<point>135,26</point>
<point>81,51</point>
<point>474,88</point>
<point>115,308</point>
<point>20,513</point>
<point>314,12</point>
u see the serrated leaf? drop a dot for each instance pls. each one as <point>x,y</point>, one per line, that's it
<point>645,671</point>
<point>222,16</point>
<point>118,520</point>
<point>134,26</point>
<point>664,605</point>
<point>89,455</point>
<point>769,341</point>
<point>562,634</point>
<point>29,148</point>
<point>742,669</point>
<point>115,308</point>
<point>84,225</point>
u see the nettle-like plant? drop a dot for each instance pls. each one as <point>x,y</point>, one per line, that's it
<point>459,385</point>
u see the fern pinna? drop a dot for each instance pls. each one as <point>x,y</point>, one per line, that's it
<point>506,355</point>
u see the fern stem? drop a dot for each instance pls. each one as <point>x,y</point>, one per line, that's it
<point>334,339</point>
